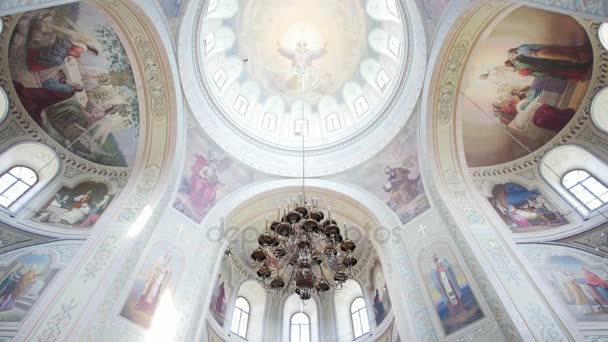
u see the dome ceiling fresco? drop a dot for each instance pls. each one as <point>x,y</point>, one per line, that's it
<point>522,86</point>
<point>322,69</point>
<point>73,77</point>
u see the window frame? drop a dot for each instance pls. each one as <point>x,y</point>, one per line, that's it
<point>291,324</point>
<point>360,313</point>
<point>241,311</point>
<point>4,97</point>
<point>569,190</point>
<point>30,187</point>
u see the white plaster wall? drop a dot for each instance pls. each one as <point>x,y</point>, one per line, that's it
<point>292,305</point>
<point>342,302</point>
<point>255,294</point>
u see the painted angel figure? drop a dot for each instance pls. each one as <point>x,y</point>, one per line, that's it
<point>303,77</point>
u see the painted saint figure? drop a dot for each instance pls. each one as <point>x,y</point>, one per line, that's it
<point>538,67</point>
<point>203,184</point>
<point>446,283</point>
<point>401,187</point>
<point>221,298</point>
<point>155,285</point>
<point>581,54</point>
<point>35,100</point>
<point>378,307</point>
<point>598,286</point>
<point>71,44</point>
<point>543,115</point>
<point>16,284</point>
<point>521,208</point>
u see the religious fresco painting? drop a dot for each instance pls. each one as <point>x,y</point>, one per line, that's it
<point>209,174</point>
<point>524,210</point>
<point>221,293</point>
<point>22,283</point>
<point>79,207</point>
<point>72,75</point>
<point>393,175</point>
<point>379,294</point>
<point>522,85</point>
<point>581,285</point>
<point>448,287</point>
<point>158,275</point>
<point>171,8</point>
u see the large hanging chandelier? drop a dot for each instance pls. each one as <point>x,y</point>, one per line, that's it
<point>303,251</point>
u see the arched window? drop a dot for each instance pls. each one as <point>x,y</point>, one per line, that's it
<point>14,183</point>
<point>603,35</point>
<point>599,105</point>
<point>299,328</point>
<point>585,192</point>
<point>359,317</point>
<point>586,188</point>
<point>3,97</point>
<point>240,317</point>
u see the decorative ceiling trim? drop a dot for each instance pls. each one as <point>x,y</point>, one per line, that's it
<point>12,238</point>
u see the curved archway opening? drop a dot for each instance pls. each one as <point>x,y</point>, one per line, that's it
<point>255,203</point>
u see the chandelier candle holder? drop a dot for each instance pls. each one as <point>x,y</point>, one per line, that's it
<point>303,251</point>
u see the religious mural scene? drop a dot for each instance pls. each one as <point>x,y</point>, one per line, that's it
<point>582,285</point>
<point>72,75</point>
<point>221,293</point>
<point>22,283</point>
<point>158,275</point>
<point>78,207</point>
<point>450,291</point>
<point>393,175</point>
<point>523,83</point>
<point>209,175</point>
<point>379,294</point>
<point>524,210</point>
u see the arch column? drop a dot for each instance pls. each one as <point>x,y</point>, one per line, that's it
<point>327,318</point>
<point>272,319</point>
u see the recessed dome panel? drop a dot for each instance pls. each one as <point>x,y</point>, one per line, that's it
<point>322,69</point>
<point>266,78</point>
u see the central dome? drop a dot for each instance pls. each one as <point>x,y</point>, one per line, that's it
<point>284,71</point>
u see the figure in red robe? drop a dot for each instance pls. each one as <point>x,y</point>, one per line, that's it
<point>35,100</point>
<point>203,185</point>
<point>598,286</point>
<point>546,116</point>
